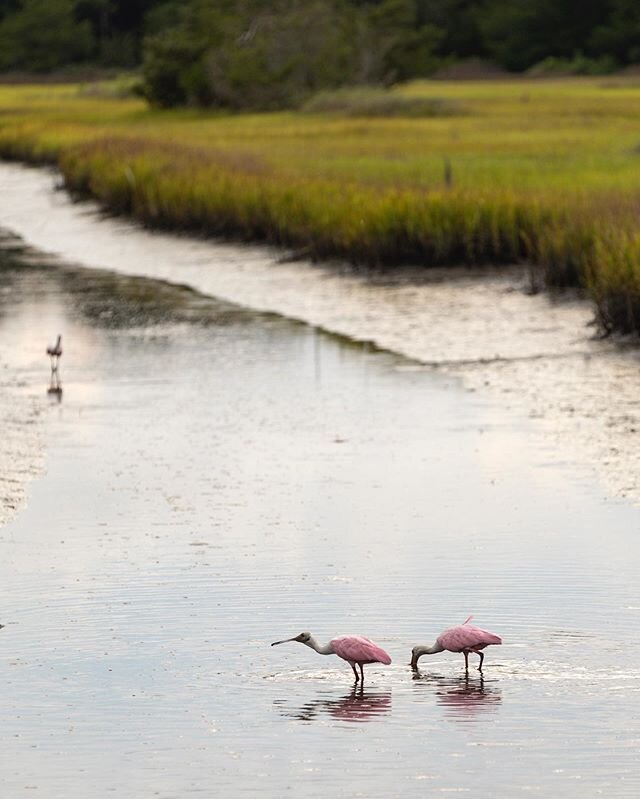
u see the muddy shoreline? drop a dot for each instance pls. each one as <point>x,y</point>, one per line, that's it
<point>22,449</point>
<point>22,408</point>
<point>538,354</point>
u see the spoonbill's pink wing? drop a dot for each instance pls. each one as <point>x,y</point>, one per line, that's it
<point>465,636</point>
<point>358,649</point>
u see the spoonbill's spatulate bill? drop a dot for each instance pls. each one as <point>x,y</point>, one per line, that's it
<point>355,649</point>
<point>464,638</point>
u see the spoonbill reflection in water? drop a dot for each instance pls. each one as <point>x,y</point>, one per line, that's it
<point>356,707</point>
<point>463,698</point>
<point>355,649</point>
<point>464,638</point>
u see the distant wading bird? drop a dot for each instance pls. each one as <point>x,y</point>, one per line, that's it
<point>355,649</point>
<point>464,638</point>
<point>54,353</point>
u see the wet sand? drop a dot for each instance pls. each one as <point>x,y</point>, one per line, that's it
<point>537,353</point>
<point>22,440</point>
<point>21,448</point>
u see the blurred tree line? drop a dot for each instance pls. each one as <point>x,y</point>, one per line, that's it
<point>273,53</point>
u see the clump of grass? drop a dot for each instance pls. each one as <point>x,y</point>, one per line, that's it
<point>555,67</point>
<point>615,283</point>
<point>113,88</point>
<point>371,102</point>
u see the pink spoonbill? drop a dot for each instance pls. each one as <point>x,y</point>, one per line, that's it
<point>464,638</point>
<point>355,649</point>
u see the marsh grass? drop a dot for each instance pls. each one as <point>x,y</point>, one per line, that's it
<point>539,172</point>
<point>387,103</point>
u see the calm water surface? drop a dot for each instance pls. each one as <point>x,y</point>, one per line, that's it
<point>217,480</point>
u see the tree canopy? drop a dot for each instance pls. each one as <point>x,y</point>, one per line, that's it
<point>267,53</point>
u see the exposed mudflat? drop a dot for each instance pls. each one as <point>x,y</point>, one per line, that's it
<point>21,448</point>
<point>538,353</point>
<point>21,433</point>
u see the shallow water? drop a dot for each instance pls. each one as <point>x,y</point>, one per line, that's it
<point>537,354</point>
<point>219,479</point>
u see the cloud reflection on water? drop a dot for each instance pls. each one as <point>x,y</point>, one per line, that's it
<point>359,705</point>
<point>463,698</point>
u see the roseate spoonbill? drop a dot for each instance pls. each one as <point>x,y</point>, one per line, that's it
<point>464,638</point>
<point>355,649</point>
<point>54,352</point>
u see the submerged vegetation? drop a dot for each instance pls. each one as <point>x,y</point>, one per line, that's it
<point>542,172</point>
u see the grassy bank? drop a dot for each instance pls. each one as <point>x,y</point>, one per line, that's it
<point>546,172</point>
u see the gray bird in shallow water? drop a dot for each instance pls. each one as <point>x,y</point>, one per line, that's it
<point>54,353</point>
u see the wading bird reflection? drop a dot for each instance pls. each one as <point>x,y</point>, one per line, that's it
<point>462,698</point>
<point>464,638</point>
<point>355,649</point>
<point>355,707</point>
<point>55,386</point>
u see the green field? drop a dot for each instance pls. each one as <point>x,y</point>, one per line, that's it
<point>546,172</point>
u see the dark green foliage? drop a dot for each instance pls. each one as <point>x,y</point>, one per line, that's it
<point>252,54</point>
<point>43,35</point>
<point>405,48</point>
<point>8,7</point>
<point>169,59</point>
<point>459,23</point>
<point>619,35</point>
<point>117,27</point>
<point>520,33</point>
<point>276,57</point>
<point>579,64</point>
<point>274,53</point>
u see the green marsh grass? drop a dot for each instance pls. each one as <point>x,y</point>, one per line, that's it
<point>388,103</point>
<point>545,172</point>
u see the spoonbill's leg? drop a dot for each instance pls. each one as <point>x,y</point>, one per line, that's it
<point>355,671</point>
<point>481,659</point>
<point>362,672</point>
<point>466,660</point>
